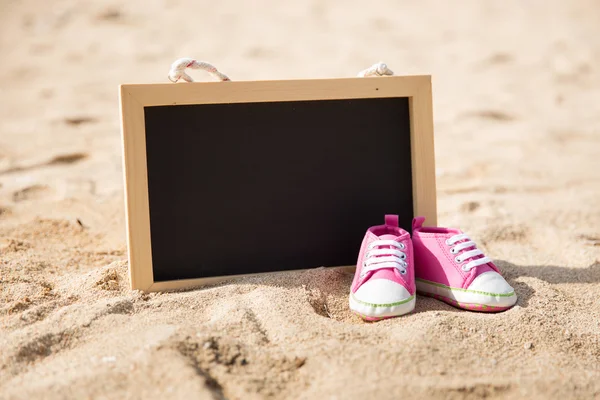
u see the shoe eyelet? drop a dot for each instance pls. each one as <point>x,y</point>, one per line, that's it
<point>403,256</point>
<point>464,268</point>
<point>448,243</point>
<point>458,260</point>
<point>403,272</point>
<point>453,250</point>
<point>402,246</point>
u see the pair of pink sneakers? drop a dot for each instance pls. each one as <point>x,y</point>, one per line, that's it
<point>439,262</point>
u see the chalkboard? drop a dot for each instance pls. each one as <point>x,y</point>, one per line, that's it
<point>229,184</point>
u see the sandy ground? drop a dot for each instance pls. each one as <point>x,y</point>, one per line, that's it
<point>517,125</point>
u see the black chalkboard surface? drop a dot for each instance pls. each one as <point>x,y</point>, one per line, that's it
<point>235,188</point>
<point>273,186</point>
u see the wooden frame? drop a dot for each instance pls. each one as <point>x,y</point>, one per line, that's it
<point>134,98</point>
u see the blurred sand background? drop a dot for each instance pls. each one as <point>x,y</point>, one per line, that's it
<point>517,128</point>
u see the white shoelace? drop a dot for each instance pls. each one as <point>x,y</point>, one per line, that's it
<point>390,257</point>
<point>467,254</point>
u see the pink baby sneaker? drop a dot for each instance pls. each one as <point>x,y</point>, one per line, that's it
<point>384,284</point>
<point>449,267</point>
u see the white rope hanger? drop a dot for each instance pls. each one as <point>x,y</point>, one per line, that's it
<point>379,69</point>
<point>178,68</point>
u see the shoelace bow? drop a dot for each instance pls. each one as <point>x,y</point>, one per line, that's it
<point>389,257</point>
<point>465,255</point>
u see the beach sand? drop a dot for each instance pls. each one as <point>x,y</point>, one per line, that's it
<point>516,89</point>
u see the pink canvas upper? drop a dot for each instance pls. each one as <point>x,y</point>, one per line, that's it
<point>389,231</point>
<point>434,261</point>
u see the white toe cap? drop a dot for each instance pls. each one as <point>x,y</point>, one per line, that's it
<point>382,291</point>
<point>491,282</point>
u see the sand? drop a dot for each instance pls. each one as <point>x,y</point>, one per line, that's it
<point>517,129</point>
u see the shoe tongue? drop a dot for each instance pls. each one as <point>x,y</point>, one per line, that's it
<point>388,237</point>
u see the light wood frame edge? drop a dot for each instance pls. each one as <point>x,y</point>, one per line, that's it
<point>422,153</point>
<point>134,98</point>
<point>137,210</point>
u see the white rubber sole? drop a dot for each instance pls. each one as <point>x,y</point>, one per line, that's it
<point>372,311</point>
<point>467,297</point>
